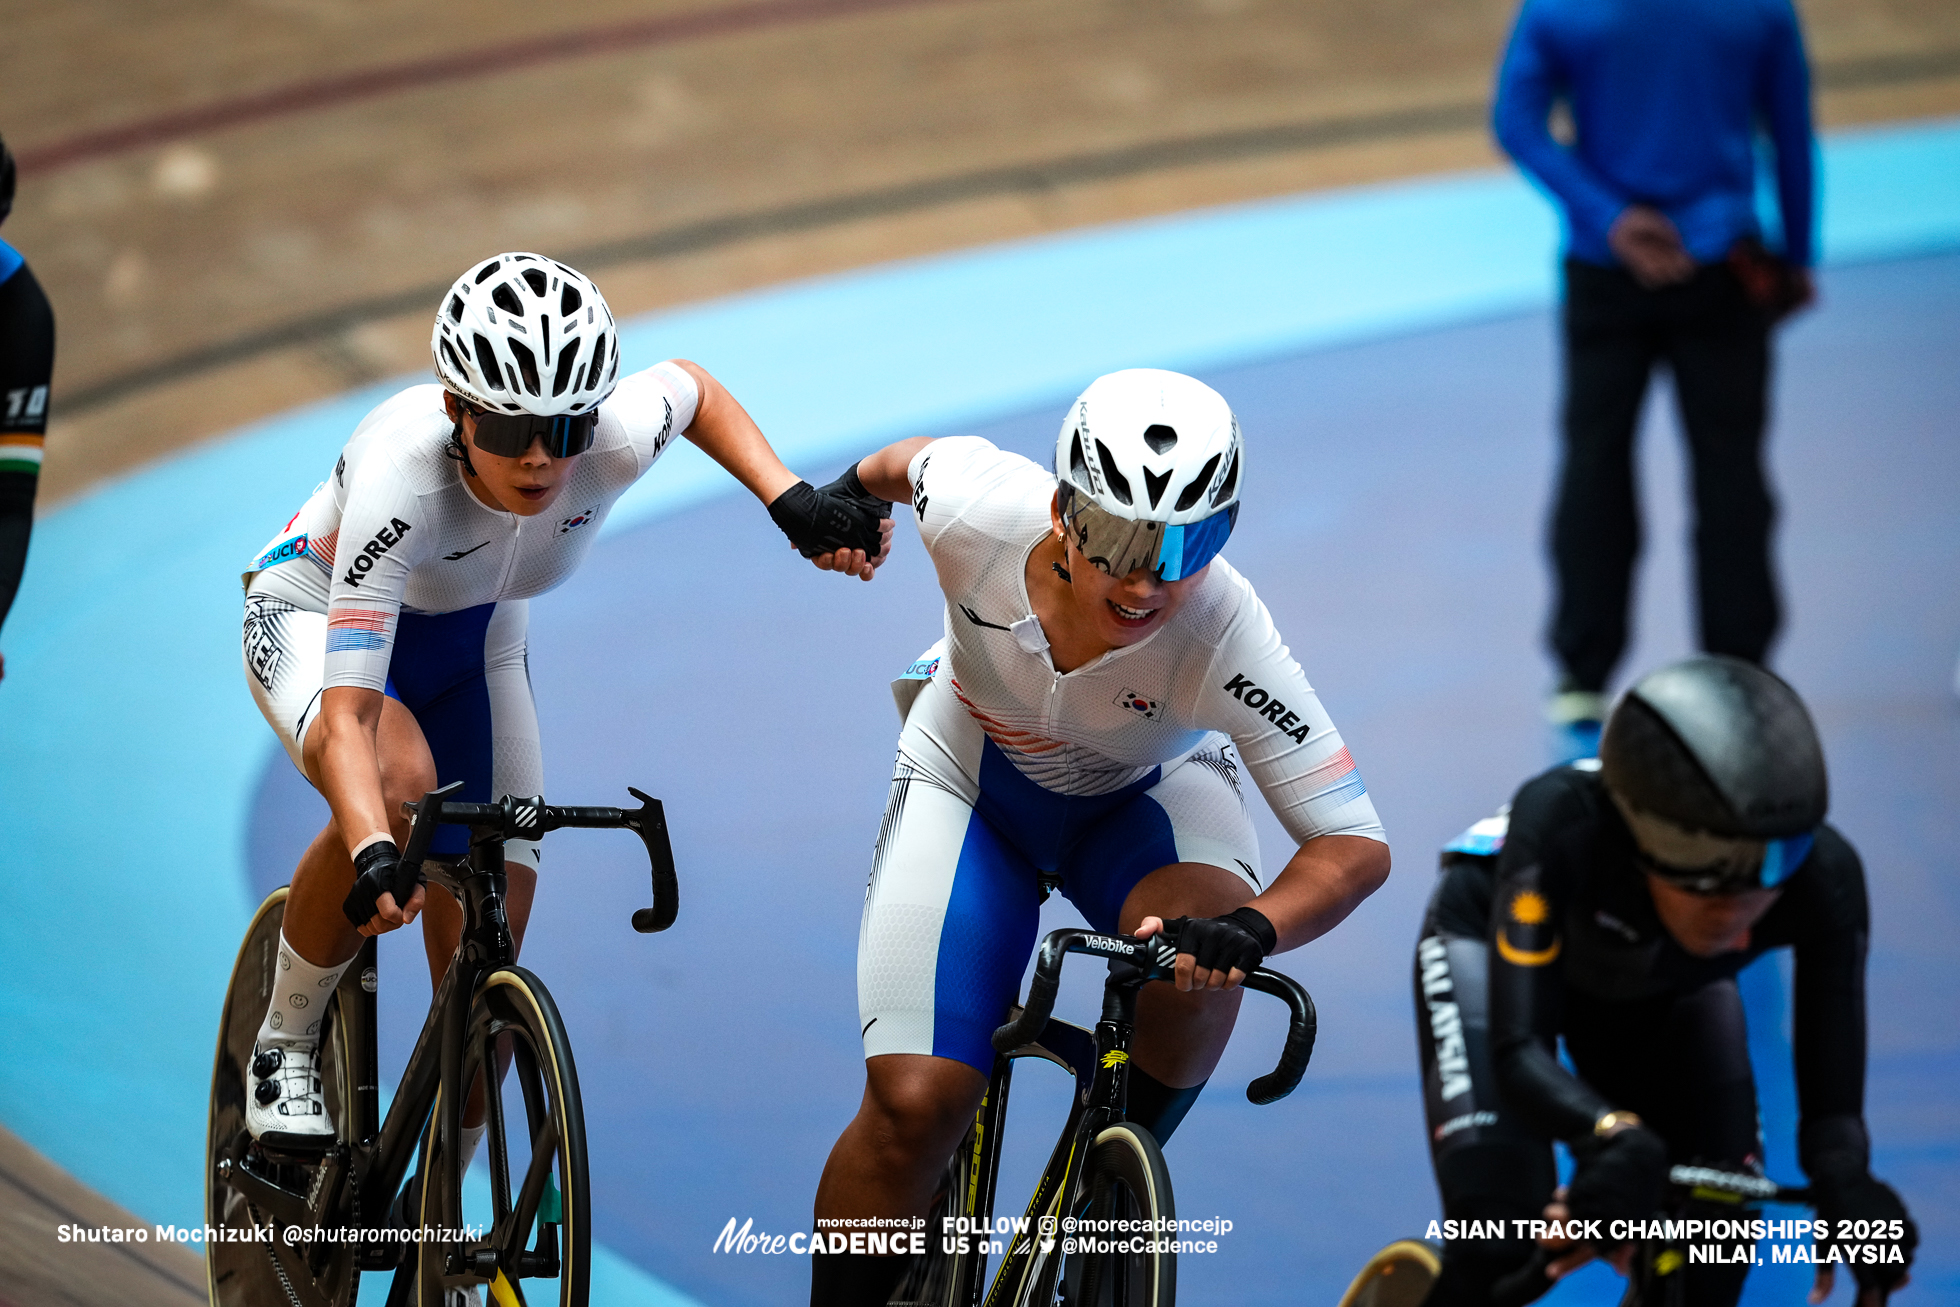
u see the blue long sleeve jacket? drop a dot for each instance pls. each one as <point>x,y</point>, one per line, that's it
<point>1666,96</point>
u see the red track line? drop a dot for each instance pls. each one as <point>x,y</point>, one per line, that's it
<point>346,88</point>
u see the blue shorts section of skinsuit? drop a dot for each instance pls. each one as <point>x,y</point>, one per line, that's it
<point>1099,846</point>
<point>437,673</point>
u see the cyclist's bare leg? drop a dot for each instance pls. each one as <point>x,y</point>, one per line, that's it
<point>889,1159</point>
<point>315,925</point>
<point>1180,1037</point>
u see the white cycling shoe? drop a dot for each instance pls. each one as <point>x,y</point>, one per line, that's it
<point>284,1107</point>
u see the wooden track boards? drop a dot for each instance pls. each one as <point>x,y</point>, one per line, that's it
<point>38,1270</point>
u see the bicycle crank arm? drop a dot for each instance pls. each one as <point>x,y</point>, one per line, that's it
<point>277,1201</point>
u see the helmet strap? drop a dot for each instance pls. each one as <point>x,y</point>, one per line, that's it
<point>459,450</point>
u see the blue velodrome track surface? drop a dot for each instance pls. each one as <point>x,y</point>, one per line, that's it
<point>1391,355</point>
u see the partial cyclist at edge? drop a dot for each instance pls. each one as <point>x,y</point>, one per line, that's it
<point>26,369</point>
<point>1104,681</point>
<point>1613,908</point>
<point>384,628</point>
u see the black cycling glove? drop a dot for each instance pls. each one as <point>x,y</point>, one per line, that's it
<point>842,515</point>
<point>1621,1178</point>
<point>1862,1209</point>
<point>1239,939</point>
<point>378,870</point>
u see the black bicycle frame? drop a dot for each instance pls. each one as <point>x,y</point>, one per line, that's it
<point>1101,1067</point>
<point>377,1162</point>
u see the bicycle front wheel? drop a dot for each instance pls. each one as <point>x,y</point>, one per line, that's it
<point>534,1222</point>
<point>1122,1248</point>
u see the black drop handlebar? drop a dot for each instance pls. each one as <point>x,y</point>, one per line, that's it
<point>1155,958</point>
<point>513,818</point>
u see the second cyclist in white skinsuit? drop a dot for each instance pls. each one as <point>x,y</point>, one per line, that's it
<point>1156,731</point>
<point>384,627</point>
<point>1105,680</point>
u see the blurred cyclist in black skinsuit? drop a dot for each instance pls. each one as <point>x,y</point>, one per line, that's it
<point>26,364</point>
<point>1614,908</point>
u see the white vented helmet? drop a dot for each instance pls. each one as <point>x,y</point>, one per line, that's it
<point>1149,464</point>
<point>521,333</point>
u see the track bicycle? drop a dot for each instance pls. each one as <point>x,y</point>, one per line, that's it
<point>1653,1274</point>
<point>1400,1275</point>
<point>1653,1277</point>
<point>296,1229</point>
<point>1106,1174</point>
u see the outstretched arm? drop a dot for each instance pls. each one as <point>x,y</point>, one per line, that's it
<point>727,434</point>
<point>885,473</point>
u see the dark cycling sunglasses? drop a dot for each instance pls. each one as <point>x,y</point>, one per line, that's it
<point>1709,864</point>
<point>509,435</point>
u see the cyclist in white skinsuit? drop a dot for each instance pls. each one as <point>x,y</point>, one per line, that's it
<point>1104,681</point>
<point>384,630</point>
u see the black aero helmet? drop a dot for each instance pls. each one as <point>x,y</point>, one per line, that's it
<point>6,181</point>
<point>1717,767</point>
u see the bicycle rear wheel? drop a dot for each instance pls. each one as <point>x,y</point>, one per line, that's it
<point>535,1218</point>
<point>1122,1253</point>
<point>267,1272</point>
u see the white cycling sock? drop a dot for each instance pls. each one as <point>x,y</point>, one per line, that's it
<point>300,992</point>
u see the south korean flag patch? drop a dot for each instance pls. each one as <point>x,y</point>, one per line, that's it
<point>1136,703</point>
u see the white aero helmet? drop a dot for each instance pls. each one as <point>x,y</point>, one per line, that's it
<point>521,333</point>
<point>1149,466</point>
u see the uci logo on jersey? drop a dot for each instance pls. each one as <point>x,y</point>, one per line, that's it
<point>385,539</point>
<point>1270,708</point>
<point>285,551</point>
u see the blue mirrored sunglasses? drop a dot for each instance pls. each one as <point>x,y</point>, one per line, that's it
<point>1187,549</point>
<point>1781,858</point>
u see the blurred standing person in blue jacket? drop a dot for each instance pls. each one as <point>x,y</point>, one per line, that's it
<point>26,366</point>
<point>1664,262</point>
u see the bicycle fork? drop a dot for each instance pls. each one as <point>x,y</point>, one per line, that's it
<point>1102,1102</point>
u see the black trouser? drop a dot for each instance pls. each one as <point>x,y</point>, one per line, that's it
<point>1679,1060</point>
<point>1716,345</point>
